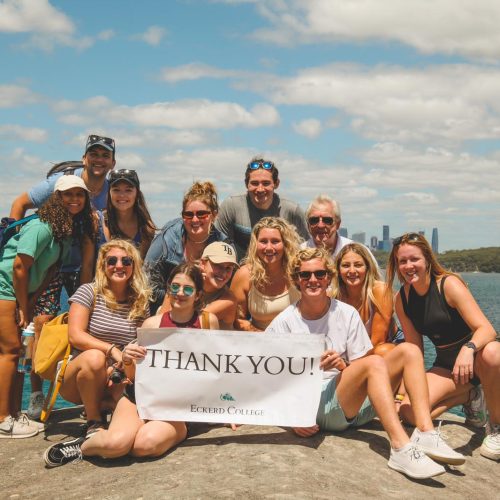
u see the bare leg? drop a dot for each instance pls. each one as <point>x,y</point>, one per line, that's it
<point>85,380</point>
<point>10,345</point>
<point>118,440</point>
<point>487,366</point>
<point>156,437</point>
<point>369,376</point>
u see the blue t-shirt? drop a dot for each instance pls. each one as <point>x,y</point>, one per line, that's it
<point>41,192</point>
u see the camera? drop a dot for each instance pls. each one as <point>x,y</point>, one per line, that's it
<point>117,376</point>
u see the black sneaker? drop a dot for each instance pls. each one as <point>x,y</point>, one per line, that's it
<point>94,426</point>
<point>63,453</point>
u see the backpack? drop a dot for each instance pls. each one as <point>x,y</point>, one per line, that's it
<point>67,167</point>
<point>9,227</point>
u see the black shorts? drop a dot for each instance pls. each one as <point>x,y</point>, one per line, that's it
<point>446,357</point>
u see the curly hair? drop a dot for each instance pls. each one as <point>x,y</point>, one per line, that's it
<point>193,272</point>
<point>339,290</point>
<point>145,223</point>
<point>307,254</point>
<point>290,238</point>
<point>63,224</point>
<point>204,192</point>
<point>434,268</point>
<point>138,291</point>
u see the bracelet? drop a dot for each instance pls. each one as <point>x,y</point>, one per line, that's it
<point>108,352</point>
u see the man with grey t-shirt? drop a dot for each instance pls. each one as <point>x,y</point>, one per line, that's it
<point>238,214</point>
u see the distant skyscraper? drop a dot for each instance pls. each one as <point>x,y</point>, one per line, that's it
<point>343,232</point>
<point>385,233</point>
<point>435,240</point>
<point>359,237</point>
<point>386,241</point>
<point>373,242</point>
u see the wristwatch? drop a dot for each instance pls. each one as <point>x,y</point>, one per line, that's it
<point>471,345</point>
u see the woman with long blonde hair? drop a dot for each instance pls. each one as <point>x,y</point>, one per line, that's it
<point>357,282</point>
<point>103,319</point>
<point>262,286</point>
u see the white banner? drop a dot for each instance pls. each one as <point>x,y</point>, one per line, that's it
<point>229,377</point>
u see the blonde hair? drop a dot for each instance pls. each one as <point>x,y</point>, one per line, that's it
<point>307,254</point>
<point>138,291</point>
<point>339,289</point>
<point>434,268</point>
<point>204,192</point>
<point>290,239</point>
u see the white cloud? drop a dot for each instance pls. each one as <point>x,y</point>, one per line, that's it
<point>184,114</point>
<point>12,96</point>
<point>467,27</point>
<point>152,36</point>
<point>395,103</point>
<point>196,71</point>
<point>106,35</point>
<point>310,128</point>
<point>37,16</point>
<point>30,134</point>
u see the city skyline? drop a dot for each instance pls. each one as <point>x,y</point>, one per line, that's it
<point>393,112</point>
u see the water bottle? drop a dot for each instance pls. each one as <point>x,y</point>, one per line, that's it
<point>27,338</point>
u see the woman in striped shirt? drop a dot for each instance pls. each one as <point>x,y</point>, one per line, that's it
<point>103,318</point>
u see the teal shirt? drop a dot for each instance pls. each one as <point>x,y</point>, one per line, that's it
<point>36,240</point>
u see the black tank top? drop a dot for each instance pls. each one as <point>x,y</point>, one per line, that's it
<point>433,317</point>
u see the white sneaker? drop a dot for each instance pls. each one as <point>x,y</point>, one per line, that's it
<point>476,414</point>
<point>432,444</point>
<point>36,405</point>
<point>34,423</point>
<point>17,428</point>
<point>491,443</point>
<point>414,463</point>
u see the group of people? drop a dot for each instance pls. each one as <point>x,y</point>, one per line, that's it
<point>257,263</point>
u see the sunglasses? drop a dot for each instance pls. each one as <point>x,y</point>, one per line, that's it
<point>187,290</point>
<point>318,274</point>
<point>201,214</point>
<point>113,260</point>
<point>125,174</point>
<point>314,221</point>
<point>266,165</point>
<point>405,237</point>
<point>98,138</point>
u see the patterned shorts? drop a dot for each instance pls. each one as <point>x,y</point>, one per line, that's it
<point>49,301</point>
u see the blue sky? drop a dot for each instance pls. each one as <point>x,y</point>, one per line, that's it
<point>392,108</point>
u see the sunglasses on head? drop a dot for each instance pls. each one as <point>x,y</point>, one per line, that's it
<point>266,165</point>
<point>98,138</point>
<point>125,174</point>
<point>318,274</point>
<point>314,221</point>
<point>187,290</point>
<point>405,237</point>
<point>113,260</point>
<point>201,214</point>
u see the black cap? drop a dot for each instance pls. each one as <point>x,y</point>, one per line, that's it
<point>97,140</point>
<point>125,175</point>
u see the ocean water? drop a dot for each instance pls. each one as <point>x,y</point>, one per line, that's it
<point>484,286</point>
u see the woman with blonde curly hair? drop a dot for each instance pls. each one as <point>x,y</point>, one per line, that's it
<point>357,282</point>
<point>103,318</point>
<point>262,286</point>
<point>183,239</point>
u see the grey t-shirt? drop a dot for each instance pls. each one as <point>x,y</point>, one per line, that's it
<point>238,215</point>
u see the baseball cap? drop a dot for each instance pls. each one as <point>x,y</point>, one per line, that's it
<point>124,174</point>
<point>220,253</point>
<point>98,140</point>
<point>66,182</point>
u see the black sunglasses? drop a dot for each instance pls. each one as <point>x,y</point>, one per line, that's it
<point>319,274</point>
<point>113,260</point>
<point>314,221</point>
<point>405,237</point>
<point>98,138</point>
<point>266,165</point>
<point>201,214</point>
<point>125,174</point>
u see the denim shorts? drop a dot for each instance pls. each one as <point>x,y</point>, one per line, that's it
<point>330,416</point>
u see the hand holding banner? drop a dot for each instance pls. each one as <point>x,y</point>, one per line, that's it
<point>229,377</point>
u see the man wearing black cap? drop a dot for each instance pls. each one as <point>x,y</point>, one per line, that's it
<point>98,160</point>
